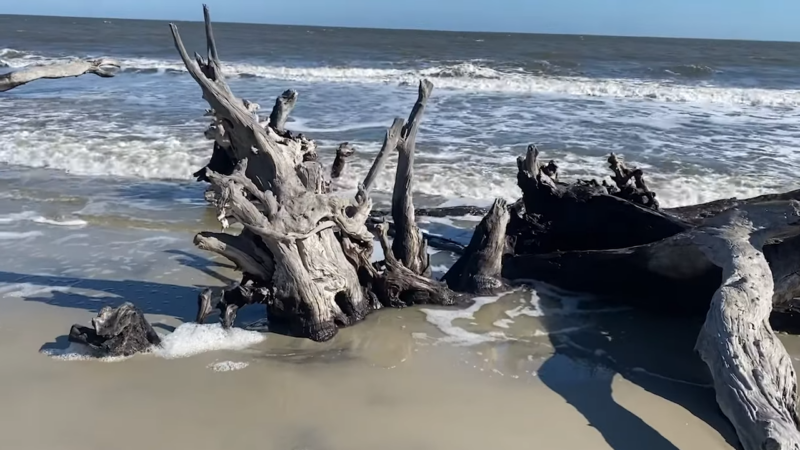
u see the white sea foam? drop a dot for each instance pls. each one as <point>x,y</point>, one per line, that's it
<point>475,78</point>
<point>468,76</point>
<point>112,153</point>
<point>79,352</point>
<point>15,236</point>
<point>191,339</point>
<point>32,216</point>
<point>693,129</point>
<point>443,320</point>
<point>531,306</point>
<point>76,223</point>
<point>227,366</point>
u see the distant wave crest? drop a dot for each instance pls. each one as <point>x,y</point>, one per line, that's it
<point>476,77</point>
<point>691,71</point>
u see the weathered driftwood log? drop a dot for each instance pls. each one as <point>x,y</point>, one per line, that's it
<point>753,374</point>
<point>304,252</point>
<point>103,67</point>
<point>121,331</point>
<point>579,237</point>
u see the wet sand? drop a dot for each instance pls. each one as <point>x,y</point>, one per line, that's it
<point>534,368</point>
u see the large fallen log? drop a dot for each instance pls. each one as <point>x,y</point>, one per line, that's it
<point>304,252</point>
<point>753,374</point>
<point>102,67</point>
<point>734,260</point>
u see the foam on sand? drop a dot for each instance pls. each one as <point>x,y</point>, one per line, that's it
<point>530,305</point>
<point>227,366</point>
<point>32,216</point>
<point>192,339</point>
<point>78,352</point>
<point>443,320</point>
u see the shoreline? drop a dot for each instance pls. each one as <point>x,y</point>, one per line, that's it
<point>400,378</point>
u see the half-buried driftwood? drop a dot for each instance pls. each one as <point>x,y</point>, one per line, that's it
<point>307,254</point>
<point>304,252</point>
<point>102,67</point>
<point>121,331</point>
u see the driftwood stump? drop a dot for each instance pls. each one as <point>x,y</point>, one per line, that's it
<point>304,252</point>
<point>121,331</point>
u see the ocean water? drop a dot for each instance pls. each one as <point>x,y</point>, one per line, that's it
<point>706,119</point>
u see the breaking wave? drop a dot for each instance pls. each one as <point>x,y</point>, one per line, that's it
<point>477,77</point>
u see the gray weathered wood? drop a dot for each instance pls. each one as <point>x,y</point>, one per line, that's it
<point>272,160</point>
<point>284,105</point>
<point>304,252</point>
<point>344,151</point>
<point>102,67</point>
<point>408,245</point>
<point>753,374</point>
<point>390,141</point>
<point>478,269</point>
<point>121,331</point>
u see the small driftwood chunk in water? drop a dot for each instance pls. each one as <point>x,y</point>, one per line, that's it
<point>344,151</point>
<point>102,67</point>
<point>304,253</point>
<point>121,331</point>
<point>284,105</point>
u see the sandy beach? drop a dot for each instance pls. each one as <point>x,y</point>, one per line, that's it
<point>534,367</point>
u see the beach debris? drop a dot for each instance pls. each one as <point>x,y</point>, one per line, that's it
<point>344,151</point>
<point>306,254</point>
<point>120,331</point>
<point>102,67</point>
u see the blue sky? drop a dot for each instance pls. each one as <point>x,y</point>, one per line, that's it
<point>731,19</point>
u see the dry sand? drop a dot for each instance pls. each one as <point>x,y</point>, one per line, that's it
<point>533,369</point>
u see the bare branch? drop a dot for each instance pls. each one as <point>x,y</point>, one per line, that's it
<point>389,145</point>
<point>407,244</point>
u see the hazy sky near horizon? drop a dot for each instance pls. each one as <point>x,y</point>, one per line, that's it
<point>729,19</point>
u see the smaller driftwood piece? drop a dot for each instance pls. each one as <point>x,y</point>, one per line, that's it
<point>121,331</point>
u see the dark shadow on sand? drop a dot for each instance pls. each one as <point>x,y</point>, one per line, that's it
<point>654,353</point>
<point>204,265</point>
<point>152,298</point>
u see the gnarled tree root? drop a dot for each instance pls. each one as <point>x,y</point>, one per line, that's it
<point>304,253</point>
